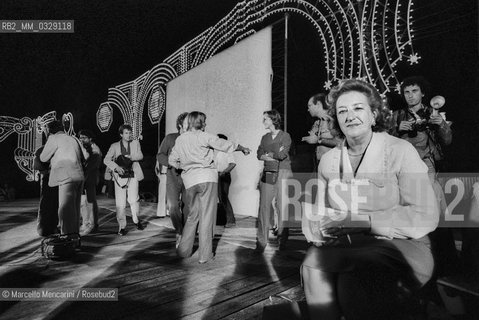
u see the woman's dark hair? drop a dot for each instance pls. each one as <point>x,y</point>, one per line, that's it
<point>275,117</point>
<point>55,126</point>
<point>375,103</point>
<point>321,97</point>
<point>180,119</point>
<point>196,120</point>
<point>124,127</point>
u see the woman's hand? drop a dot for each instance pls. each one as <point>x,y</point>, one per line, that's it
<point>338,228</point>
<point>339,231</point>
<point>120,170</point>
<point>245,151</point>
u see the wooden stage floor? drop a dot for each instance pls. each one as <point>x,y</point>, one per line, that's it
<point>153,283</point>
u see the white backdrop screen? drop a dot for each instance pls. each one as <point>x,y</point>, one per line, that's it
<point>233,89</point>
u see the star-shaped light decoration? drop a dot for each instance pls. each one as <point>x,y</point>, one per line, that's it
<point>328,84</point>
<point>414,58</point>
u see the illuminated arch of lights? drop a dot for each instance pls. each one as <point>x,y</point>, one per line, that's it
<point>363,39</point>
<point>31,134</point>
<point>131,97</point>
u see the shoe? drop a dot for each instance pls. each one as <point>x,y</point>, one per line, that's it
<point>122,232</point>
<point>178,239</point>
<point>205,261</point>
<point>230,225</point>
<point>275,231</point>
<point>139,226</point>
<point>84,230</point>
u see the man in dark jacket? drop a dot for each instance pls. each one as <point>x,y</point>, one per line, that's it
<point>417,123</point>
<point>47,219</point>
<point>428,133</point>
<point>174,183</point>
<point>89,205</point>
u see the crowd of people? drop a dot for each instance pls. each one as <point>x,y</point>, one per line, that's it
<point>379,241</point>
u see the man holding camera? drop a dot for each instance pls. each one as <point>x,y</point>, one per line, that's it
<point>428,133</point>
<point>416,123</point>
<point>122,159</point>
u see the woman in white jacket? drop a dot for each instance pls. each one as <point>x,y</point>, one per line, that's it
<point>375,208</point>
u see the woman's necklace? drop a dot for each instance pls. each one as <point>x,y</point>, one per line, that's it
<point>357,159</point>
<point>355,155</point>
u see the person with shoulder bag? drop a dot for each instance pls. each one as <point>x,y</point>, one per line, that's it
<point>122,159</point>
<point>274,151</point>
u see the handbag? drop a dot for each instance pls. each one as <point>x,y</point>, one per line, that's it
<point>270,172</point>
<point>60,246</point>
<point>127,165</point>
<point>271,166</point>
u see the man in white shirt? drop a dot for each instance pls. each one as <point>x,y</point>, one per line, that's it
<point>66,156</point>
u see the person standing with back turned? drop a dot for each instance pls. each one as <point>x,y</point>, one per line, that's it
<point>194,153</point>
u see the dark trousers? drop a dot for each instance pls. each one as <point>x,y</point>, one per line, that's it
<point>174,188</point>
<point>69,199</point>
<point>47,220</point>
<point>224,182</point>
<point>201,200</point>
<point>90,190</point>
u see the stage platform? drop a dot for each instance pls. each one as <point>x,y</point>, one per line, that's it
<point>153,283</point>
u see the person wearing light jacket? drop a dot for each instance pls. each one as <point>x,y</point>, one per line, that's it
<point>194,154</point>
<point>126,188</point>
<point>373,213</point>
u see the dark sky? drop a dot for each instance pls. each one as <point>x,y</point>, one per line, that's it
<point>116,41</point>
